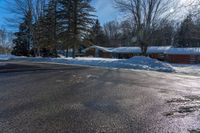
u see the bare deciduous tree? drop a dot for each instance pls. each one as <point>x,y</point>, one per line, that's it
<point>146,14</point>
<point>5,40</point>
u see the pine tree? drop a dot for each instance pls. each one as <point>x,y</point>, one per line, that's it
<point>50,23</point>
<point>64,16</point>
<point>46,31</point>
<point>24,40</point>
<point>79,20</point>
<point>21,42</point>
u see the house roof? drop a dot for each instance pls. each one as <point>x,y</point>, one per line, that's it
<point>137,50</point>
<point>183,51</point>
<point>99,47</point>
<point>126,50</point>
<point>150,50</point>
<point>157,49</point>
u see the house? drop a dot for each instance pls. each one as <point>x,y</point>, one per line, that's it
<point>120,52</point>
<point>183,55</point>
<point>97,51</point>
<point>126,52</point>
<point>163,53</point>
<point>157,52</point>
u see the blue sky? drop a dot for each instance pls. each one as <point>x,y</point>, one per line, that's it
<point>2,13</point>
<point>105,11</point>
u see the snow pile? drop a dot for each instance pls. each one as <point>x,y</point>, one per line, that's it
<point>140,63</point>
<point>146,63</point>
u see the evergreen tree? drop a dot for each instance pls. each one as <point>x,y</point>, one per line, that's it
<point>79,20</point>
<point>24,40</point>
<point>50,23</point>
<point>64,17</point>
<point>21,43</point>
<point>60,24</point>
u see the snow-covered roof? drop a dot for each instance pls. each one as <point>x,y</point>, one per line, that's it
<point>184,51</point>
<point>100,48</point>
<point>150,50</point>
<point>157,49</point>
<point>136,50</point>
<point>126,50</point>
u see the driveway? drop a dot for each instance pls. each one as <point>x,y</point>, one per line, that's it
<point>38,97</point>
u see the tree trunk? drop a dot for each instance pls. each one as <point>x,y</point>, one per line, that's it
<point>75,28</point>
<point>74,51</point>
<point>144,48</point>
<point>67,52</point>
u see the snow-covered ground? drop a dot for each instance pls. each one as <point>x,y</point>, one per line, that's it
<point>7,57</point>
<point>140,63</point>
<point>187,69</point>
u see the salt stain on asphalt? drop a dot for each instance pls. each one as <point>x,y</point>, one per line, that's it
<point>90,76</point>
<point>183,106</point>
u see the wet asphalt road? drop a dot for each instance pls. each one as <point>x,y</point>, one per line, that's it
<point>38,98</point>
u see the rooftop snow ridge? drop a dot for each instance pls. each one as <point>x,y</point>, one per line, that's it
<point>150,50</point>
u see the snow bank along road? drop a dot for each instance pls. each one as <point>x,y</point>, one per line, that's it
<point>139,62</point>
<point>36,97</point>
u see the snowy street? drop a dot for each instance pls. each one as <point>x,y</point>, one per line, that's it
<point>41,97</point>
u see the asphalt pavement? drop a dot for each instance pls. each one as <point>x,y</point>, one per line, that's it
<point>53,98</point>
